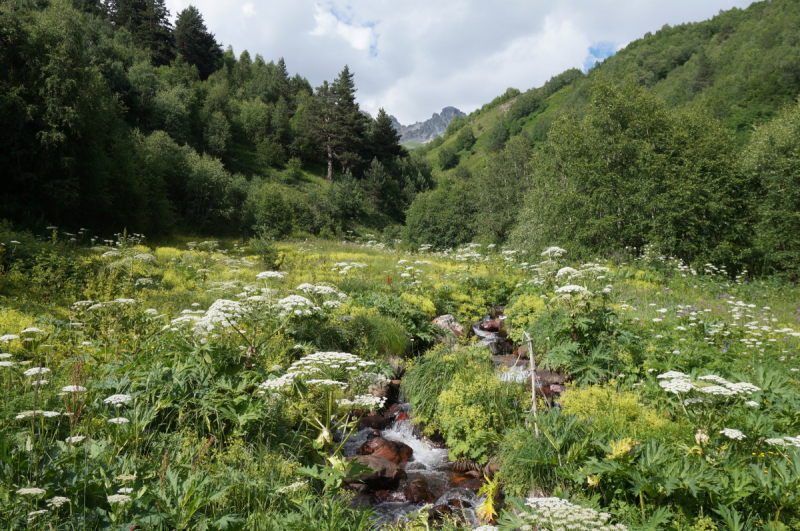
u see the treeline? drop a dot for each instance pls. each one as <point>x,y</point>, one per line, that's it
<point>113,118</point>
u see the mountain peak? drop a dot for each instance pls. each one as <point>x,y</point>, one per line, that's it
<point>426,131</point>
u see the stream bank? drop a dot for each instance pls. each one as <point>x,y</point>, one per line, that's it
<point>411,470</point>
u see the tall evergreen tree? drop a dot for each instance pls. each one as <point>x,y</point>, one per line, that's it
<point>148,22</point>
<point>195,43</point>
<point>350,121</point>
<point>384,139</point>
<point>319,125</point>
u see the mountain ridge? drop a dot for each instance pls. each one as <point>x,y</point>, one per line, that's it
<point>431,128</point>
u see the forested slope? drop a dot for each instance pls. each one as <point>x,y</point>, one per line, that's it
<point>112,118</point>
<point>653,146</point>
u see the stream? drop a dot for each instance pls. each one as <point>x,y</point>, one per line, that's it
<point>429,467</point>
<point>426,475</point>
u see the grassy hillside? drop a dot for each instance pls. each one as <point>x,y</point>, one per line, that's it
<point>741,66</point>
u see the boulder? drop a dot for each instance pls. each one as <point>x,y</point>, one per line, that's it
<point>418,491</point>
<point>385,475</point>
<point>396,452</point>
<point>375,422</point>
<point>401,416</point>
<point>449,323</point>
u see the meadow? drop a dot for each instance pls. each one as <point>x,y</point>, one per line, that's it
<point>211,384</point>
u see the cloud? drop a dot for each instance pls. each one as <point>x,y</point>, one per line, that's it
<point>414,57</point>
<point>328,24</point>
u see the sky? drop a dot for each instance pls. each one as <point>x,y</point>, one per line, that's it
<point>414,57</point>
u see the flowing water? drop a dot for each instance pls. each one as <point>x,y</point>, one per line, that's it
<point>428,463</point>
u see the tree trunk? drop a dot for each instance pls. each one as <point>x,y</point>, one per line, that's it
<point>330,163</point>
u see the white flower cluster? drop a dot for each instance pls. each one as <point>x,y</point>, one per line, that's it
<point>571,288</point>
<point>119,498</point>
<point>118,400</point>
<point>46,414</point>
<point>264,275</point>
<point>784,441</point>
<point>555,514</point>
<point>368,402</point>
<point>31,491</point>
<point>277,384</point>
<point>678,382</point>
<point>8,338</point>
<point>36,371</point>
<point>57,501</point>
<point>297,305</point>
<point>733,434</point>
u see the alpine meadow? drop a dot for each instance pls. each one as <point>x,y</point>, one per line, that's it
<point>232,300</point>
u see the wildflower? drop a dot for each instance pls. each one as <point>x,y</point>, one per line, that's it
<point>34,514</point>
<point>118,420</point>
<point>32,330</point>
<point>751,403</point>
<point>8,338</point>
<point>31,491</point>
<point>677,386</point>
<point>74,439</point>
<point>269,274</point>
<point>571,289</point>
<point>701,437</point>
<point>119,498</point>
<point>733,434</point>
<point>125,490</point>
<point>7,363</point>
<point>36,371</point>
<point>125,477</point>
<point>57,501</point>
<point>118,400</point>
<point>73,389</point>
<point>5,355</point>
<point>672,375</point>
<point>293,487</point>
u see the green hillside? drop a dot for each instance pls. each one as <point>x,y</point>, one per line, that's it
<point>743,65</point>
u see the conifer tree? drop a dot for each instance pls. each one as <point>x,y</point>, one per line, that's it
<point>195,43</point>
<point>350,121</point>
<point>148,22</point>
<point>384,139</point>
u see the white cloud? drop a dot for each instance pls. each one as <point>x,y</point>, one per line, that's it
<point>417,56</point>
<point>359,37</point>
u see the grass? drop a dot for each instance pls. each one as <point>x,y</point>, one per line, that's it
<point>197,422</point>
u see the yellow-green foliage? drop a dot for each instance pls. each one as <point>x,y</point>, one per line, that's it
<point>13,321</point>
<point>609,409</point>
<point>421,302</point>
<point>522,311</point>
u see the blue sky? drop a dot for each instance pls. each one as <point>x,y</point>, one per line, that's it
<point>417,56</point>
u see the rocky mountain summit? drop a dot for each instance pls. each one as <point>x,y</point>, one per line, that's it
<point>429,129</point>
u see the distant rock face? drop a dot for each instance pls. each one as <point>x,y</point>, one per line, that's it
<point>426,131</point>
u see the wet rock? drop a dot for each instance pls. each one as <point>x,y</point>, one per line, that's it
<point>401,416</point>
<point>418,491</point>
<point>393,411</point>
<point>493,325</point>
<point>375,422</point>
<point>374,433</point>
<point>440,511</point>
<point>473,474</point>
<point>396,452</point>
<point>448,323</point>
<point>385,475</point>
<point>459,504</point>
<point>468,483</point>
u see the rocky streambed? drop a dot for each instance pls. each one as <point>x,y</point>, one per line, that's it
<point>410,471</point>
